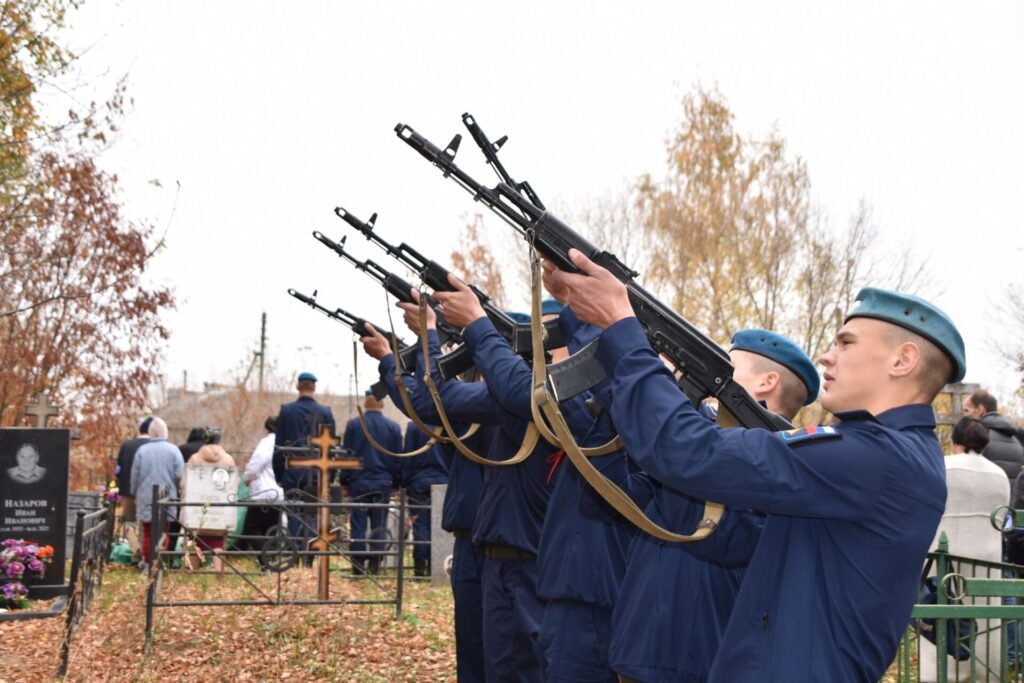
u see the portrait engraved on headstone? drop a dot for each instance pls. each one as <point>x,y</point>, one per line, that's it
<point>28,470</point>
<point>210,484</point>
<point>34,491</point>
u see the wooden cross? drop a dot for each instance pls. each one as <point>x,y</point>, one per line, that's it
<point>42,410</point>
<point>330,448</point>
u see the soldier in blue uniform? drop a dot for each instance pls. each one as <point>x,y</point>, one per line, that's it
<point>465,482</point>
<point>675,602</point>
<point>508,521</point>
<point>371,483</point>
<point>581,557</point>
<point>851,508</point>
<point>419,474</point>
<point>296,422</point>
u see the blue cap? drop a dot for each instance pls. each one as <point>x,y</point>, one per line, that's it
<point>368,392</point>
<point>307,377</point>
<point>518,317</point>
<point>918,316</point>
<point>550,307</point>
<point>783,351</point>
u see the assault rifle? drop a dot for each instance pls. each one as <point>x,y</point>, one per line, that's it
<point>357,325</point>
<point>435,276</point>
<point>455,362</point>
<point>705,367</point>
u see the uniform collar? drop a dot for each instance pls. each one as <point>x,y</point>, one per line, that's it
<point>306,398</point>
<point>902,417</point>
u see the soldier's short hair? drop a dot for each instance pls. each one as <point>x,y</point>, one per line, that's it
<point>936,366</point>
<point>792,390</point>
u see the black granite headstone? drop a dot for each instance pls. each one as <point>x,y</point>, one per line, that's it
<point>34,491</point>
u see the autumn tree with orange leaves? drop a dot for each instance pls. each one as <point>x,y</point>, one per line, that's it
<point>77,317</point>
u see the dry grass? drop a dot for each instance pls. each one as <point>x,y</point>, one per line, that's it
<point>314,643</point>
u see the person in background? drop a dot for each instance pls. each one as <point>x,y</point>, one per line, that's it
<point>211,455</point>
<point>296,422</point>
<point>125,457</point>
<point>420,473</point>
<point>973,491</point>
<point>371,483</point>
<point>193,443</point>
<point>157,463</point>
<point>975,487</point>
<point>1003,447</point>
<point>259,477</point>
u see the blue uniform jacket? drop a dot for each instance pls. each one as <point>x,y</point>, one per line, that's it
<point>375,474</point>
<point>514,499</point>
<point>677,597</point>
<point>465,478</point>
<point>584,540</point>
<point>421,472</point>
<point>850,510</point>
<point>295,422</point>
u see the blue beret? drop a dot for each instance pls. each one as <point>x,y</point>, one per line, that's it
<point>783,351</point>
<point>918,316</point>
<point>518,317</point>
<point>307,377</point>
<point>550,307</point>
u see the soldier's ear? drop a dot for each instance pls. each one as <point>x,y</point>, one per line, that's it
<point>906,359</point>
<point>770,380</point>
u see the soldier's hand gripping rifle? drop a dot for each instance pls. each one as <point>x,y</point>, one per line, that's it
<point>358,325</point>
<point>401,290</point>
<point>705,367</point>
<point>435,276</point>
<point>458,361</point>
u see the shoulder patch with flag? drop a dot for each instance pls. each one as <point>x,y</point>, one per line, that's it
<point>812,433</point>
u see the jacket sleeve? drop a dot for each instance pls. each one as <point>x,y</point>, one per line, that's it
<point>508,376</point>
<point>277,461</point>
<point>135,473</point>
<point>744,468</point>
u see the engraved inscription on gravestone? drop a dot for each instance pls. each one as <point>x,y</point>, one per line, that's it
<point>34,490</point>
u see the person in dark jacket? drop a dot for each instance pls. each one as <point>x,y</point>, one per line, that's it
<point>125,457</point>
<point>370,484</point>
<point>419,474</point>
<point>196,439</point>
<point>1004,448</point>
<point>295,423</point>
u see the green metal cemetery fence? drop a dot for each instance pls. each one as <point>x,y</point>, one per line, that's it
<point>974,620</point>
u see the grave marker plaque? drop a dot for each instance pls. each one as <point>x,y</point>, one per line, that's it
<point>210,484</point>
<point>34,491</point>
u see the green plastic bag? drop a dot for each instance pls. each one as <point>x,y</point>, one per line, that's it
<point>120,553</point>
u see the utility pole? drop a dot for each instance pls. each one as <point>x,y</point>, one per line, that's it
<point>263,345</point>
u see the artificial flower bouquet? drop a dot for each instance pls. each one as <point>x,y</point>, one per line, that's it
<point>20,560</point>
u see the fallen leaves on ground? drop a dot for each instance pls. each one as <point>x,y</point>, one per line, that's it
<point>243,643</point>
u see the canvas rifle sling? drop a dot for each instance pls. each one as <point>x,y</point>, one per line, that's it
<point>605,487</point>
<point>529,439</point>
<point>362,417</point>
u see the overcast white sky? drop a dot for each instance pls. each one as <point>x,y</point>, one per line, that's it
<point>271,114</point>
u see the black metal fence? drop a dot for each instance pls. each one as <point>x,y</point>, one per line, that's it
<point>259,568</point>
<point>92,539</point>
